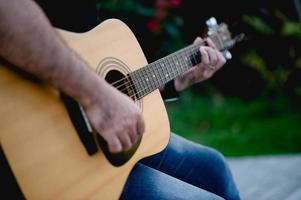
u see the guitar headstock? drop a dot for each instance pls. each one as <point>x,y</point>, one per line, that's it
<point>221,36</point>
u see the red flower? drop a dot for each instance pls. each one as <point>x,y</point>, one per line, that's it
<point>175,3</point>
<point>168,3</point>
<point>162,4</point>
<point>153,26</point>
<point>161,14</point>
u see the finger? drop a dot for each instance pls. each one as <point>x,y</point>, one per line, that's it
<point>221,60</point>
<point>212,54</point>
<point>211,44</point>
<point>208,73</point>
<point>197,40</point>
<point>204,54</point>
<point>198,73</point>
<point>125,140</point>
<point>140,125</point>
<point>187,78</point>
<point>133,134</point>
<point>111,139</point>
<point>114,145</point>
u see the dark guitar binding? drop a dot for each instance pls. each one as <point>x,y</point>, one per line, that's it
<point>86,134</point>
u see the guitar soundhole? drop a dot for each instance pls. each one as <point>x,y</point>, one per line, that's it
<point>123,84</point>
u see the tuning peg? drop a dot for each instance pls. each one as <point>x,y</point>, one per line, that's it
<point>227,54</point>
<point>211,22</point>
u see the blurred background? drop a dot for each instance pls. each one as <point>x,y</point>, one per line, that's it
<point>251,107</point>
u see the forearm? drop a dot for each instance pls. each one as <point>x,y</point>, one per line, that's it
<point>29,41</point>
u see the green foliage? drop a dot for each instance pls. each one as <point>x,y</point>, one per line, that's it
<point>125,7</point>
<point>266,69</point>
<point>276,56</point>
<point>291,29</point>
<point>272,50</point>
<point>258,24</point>
<point>159,19</point>
<point>235,127</point>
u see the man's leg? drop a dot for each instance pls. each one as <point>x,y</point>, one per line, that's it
<point>195,164</point>
<point>147,183</point>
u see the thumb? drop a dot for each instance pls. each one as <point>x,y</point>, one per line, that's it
<point>197,40</point>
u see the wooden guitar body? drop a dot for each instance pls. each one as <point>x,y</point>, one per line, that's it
<point>41,144</point>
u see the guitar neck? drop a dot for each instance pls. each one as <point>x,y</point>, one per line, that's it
<point>156,74</point>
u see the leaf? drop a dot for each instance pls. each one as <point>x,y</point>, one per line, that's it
<point>258,24</point>
<point>292,29</point>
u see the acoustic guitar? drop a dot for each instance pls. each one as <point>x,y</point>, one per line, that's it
<point>47,140</point>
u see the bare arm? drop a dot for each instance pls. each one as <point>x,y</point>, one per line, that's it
<point>28,40</point>
<point>212,61</point>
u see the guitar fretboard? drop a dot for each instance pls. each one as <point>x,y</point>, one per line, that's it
<point>156,74</point>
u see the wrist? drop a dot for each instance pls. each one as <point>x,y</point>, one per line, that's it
<point>179,85</point>
<point>170,93</point>
<point>77,80</point>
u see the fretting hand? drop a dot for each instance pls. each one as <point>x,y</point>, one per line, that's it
<point>116,118</point>
<point>212,60</point>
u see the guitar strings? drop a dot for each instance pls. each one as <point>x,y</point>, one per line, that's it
<point>146,89</point>
<point>114,83</point>
<point>143,89</point>
<point>126,85</point>
<point>131,85</point>
<point>203,42</point>
<point>156,67</point>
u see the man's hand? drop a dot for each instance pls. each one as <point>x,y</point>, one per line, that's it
<point>212,60</point>
<point>111,113</point>
<point>115,117</point>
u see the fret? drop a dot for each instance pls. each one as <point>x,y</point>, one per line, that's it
<point>169,68</point>
<point>174,66</point>
<point>166,74</point>
<point>183,55</point>
<point>217,41</point>
<point>156,77</point>
<point>192,57</point>
<point>144,81</point>
<point>170,71</point>
<point>161,76</point>
<point>147,87</point>
<point>182,62</point>
<point>187,58</point>
<point>135,82</point>
<point>196,56</point>
<point>149,79</point>
<point>166,68</point>
<point>156,74</point>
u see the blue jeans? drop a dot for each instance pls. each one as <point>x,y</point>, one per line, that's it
<point>184,170</point>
